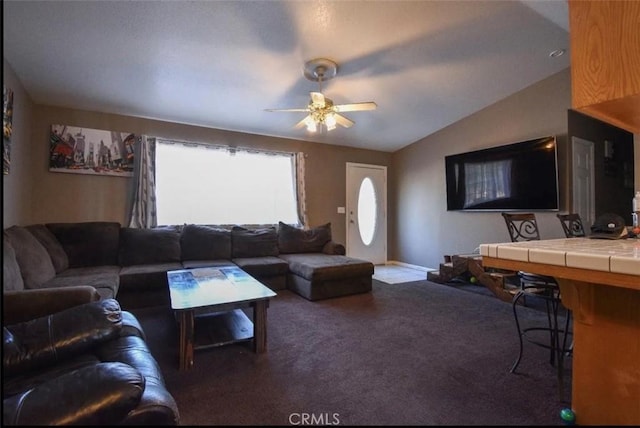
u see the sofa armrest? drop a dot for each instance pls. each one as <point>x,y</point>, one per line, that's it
<point>99,394</point>
<point>48,340</point>
<point>332,247</point>
<point>24,305</point>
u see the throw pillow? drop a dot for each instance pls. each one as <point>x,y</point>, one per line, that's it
<point>296,240</point>
<point>254,243</point>
<point>148,246</point>
<point>92,243</point>
<point>11,277</point>
<point>52,245</point>
<point>199,242</point>
<point>35,264</point>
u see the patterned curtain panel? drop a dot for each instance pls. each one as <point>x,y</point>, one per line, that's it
<point>301,194</point>
<point>143,205</point>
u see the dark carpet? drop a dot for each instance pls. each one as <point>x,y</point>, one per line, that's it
<point>417,353</point>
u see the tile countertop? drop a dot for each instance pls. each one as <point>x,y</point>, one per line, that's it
<point>619,256</point>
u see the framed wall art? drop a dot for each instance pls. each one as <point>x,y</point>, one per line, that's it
<point>90,151</point>
<point>7,116</point>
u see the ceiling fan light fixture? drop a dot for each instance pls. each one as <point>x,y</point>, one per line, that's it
<point>330,121</point>
<point>311,124</point>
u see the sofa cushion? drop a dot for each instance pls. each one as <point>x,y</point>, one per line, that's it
<point>296,240</point>
<point>11,277</point>
<point>46,340</point>
<point>191,264</point>
<point>93,243</point>
<point>263,266</point>
<point>12,385</point>
<point>49,241</point>
<point>151,277</point>
<point>205,243</point>
<point>253,242</point>
<point>35,264</point>
<point>99,394</point>
<point>105,279</point>
<point>148,246</point>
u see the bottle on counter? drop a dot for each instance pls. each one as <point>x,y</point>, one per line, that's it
<point>636,215</point>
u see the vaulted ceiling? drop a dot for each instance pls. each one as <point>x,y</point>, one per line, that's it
<point>220,64</point>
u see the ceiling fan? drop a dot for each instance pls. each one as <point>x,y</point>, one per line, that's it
<point>321,110</point>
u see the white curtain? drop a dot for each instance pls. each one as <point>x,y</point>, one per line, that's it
<point>143,212</point>
<point>301,193</point>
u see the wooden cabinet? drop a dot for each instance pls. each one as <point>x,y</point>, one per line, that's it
<point>605,60</point>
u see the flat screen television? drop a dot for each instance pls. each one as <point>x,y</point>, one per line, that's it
<point>521,176</point>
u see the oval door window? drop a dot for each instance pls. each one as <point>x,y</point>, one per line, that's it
<point>367,211</point>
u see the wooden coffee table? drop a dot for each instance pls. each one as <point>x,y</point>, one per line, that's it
<point>208,305</point>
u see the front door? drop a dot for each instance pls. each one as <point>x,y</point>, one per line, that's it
<point>367,212</point>
<point>583,180</point>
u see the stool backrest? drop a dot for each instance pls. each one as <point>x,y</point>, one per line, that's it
<point>522,226</point>
<point>572,225</point>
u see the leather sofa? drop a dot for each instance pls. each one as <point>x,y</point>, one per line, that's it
<point>131,264</point>
<point>86,364</point>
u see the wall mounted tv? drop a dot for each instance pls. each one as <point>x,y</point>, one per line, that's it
<point>521,176</point>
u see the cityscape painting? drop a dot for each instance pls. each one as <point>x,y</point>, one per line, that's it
<point>91,151</point>
<point>7,116</point>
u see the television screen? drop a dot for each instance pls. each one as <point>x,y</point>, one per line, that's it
<point>517,177</point>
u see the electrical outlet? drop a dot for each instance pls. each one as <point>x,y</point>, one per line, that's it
<point>341,210</point>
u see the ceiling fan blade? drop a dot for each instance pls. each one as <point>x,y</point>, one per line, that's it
<point>287,109</point>
<point>302,123</point>
<point>343,121</point>
<point>356,106</point>
<point>317,99</point>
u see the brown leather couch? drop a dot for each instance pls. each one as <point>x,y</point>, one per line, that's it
<point>87,364</point>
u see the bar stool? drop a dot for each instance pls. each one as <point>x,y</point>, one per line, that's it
<point>523,226</point>
<point>572,225</point>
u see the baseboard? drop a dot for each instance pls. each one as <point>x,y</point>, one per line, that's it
<point>410,266</point>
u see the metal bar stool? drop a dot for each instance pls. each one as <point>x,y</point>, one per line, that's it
<point>523,227</point>
<point>572,225</point>
<point>557,342</point>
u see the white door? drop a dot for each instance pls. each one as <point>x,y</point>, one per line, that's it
<point>367,212</point>
<point>583,180</point>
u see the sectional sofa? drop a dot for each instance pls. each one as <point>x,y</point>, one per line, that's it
<point>130,264</point>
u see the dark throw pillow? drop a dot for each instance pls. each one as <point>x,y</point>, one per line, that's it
<point>11,276</point>
<point>92,243</point>
<point>295,240</point>
<point>52,245</point>
<point>34,260</point>
<point>148,246</point>
<point>254,243</point>
<point>205,243</point>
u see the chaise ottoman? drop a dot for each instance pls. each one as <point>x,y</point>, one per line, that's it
<point>317,276</point>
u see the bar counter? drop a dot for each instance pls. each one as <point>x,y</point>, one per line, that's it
<point>600,283</point>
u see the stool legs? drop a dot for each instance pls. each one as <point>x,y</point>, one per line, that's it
<point>558,335</point>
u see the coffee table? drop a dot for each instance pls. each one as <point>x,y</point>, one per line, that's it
<point>212,298</point>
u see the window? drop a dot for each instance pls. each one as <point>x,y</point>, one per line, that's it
<point>212,185</point>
